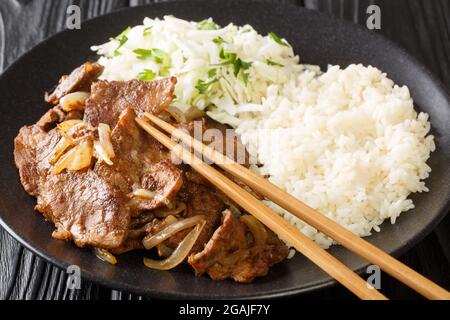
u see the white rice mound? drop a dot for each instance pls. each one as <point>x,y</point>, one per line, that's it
<point>347,142</point>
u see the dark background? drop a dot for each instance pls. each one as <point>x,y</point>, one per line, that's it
<point>420,26</point>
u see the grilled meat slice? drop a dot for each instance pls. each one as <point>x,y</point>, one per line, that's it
<point>79,79</point>
<point>110,98</point>
<point>230,253</point>
<point>140,162</point>
<point>83,206</point>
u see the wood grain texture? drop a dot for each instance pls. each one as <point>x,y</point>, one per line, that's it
<point>420,26</point>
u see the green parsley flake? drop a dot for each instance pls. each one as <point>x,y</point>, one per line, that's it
<point>277,39</point>
<point>244,76</point>
<point>147,31</point>
<point>203,86</point>
<point>240,65</point>
<point>212,73</point>
<point>273,63</point>
<point>146,75</point>
<point>157,55</point>
<point>207,24</point>
<point>122,38</point>
<point>218,40</point>
<point>143,54</point>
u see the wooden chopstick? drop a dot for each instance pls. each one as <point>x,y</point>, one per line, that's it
<point>272,220</point>
<point>346,238</point>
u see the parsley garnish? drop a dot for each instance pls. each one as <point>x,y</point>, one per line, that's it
<point>227,57</point>
<point>273,63</point>
<point>207,24</point>
<point>238,64</point>
<point>218,40</point>
<point>244,76</point>
<point>277,39</point>
<point>212,73</point>
<point>147,31</point>
<point>124,33</point>
<point>143,54</point>
<point>203,86</point>
<point>160,56</point>
<point>146,75</point>
<point>157,55</point>
<point>122,38</point>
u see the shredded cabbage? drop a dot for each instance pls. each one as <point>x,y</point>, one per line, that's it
<point>224,71</point>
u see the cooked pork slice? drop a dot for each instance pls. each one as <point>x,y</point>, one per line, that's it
<point>141,163</point>
<point>85,208</point>
<point>32,152</point>
<point>51,118</point>
<point>79,80</point>
<point>199,200</point>
<point>231,254</point>
<point>109,98</point>
<point>164,180</point>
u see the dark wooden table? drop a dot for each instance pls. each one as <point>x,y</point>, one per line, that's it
<point>420,26</point>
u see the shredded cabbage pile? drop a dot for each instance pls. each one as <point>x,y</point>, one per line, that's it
<point>223,71</point>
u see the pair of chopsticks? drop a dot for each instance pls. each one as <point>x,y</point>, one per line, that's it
<point>281,227</point>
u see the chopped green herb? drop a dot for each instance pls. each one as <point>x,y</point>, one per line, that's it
<point>147,31</point>
<point>157,55</point>
<point>240,65</point>
<point>123,33</point>
<point>207,24</point>
<point>227,57</point>
<point>160,56</point>
<point>146,75</point>
<point>143,54</point>
<point>212,73</point>
<point>122,38</point>
<point>203,86</point>
<point>218,40</point>
<point>244,76</point>
<point>273,63</point>
<point>231,58</point>
<point>277,39</point>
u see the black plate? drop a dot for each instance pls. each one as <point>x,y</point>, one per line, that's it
<point>319,39</point>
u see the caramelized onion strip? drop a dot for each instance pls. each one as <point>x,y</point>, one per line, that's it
<point>153,240</point>
<point>179,254</point>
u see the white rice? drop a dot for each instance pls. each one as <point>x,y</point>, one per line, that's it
<point>347,141</point>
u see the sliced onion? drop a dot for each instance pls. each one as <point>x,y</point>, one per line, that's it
<point>104,137</point>
<point>169,220</point>
<point>68,124</point>
<point>76,158</point>
<point>193,113</point>
<point>163,250</point>
<point>256,228</point>
<point>101,154</point>
<point>62,146</point>
<point>83,156</point>
<point>74,101</point>
<point>164,212</point>
<point>80,130</point>
<point>179,254</point>
<point>153,240</point>
<point>166,201</point>
<point>144,194</point>
<point>177,114</point>
<point>105,255</point>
